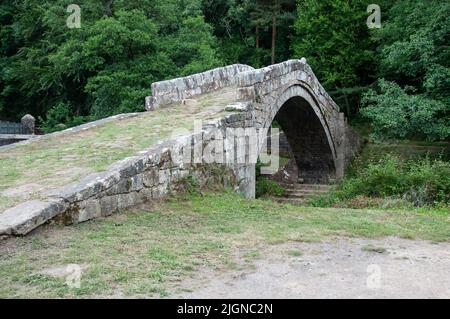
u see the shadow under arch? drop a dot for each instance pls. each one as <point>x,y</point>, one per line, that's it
<point>307,134</point>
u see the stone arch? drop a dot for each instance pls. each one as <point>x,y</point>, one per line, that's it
<point>308,133</point>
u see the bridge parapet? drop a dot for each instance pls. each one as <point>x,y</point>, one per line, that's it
<point>255,83</point>
<point>177,90</point>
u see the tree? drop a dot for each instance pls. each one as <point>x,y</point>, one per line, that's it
<point>105,67</point>
<point>397,112</point>
<point>250,30</point>
<point>412,99</point>
<point>333,36</point>
<point>238,29</point>
<point>270,12</point>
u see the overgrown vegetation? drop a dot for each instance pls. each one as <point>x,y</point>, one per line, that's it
<point>390,180</point>
<point>267,187</point>
<point>148,251</point>
<point>412,97</point>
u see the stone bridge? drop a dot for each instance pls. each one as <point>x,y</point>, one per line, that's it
<point>247,99</point>
<point>288,93</point>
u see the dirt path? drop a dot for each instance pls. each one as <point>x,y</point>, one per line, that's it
<point>341,268</point>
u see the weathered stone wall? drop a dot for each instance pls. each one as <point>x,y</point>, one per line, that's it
<point>353,143</point>
<point>177,90</point>
<point>154,173</point>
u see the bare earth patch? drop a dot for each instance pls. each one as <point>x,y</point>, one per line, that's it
<point>338,268</point>
<point>62,271</point>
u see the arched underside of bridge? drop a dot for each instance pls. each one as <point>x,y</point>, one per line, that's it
<point>307,129</point>
<point>308,141</point>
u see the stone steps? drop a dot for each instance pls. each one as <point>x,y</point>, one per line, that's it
<point>294,191</point>
<point>324,187</point>
<point>299,194</point>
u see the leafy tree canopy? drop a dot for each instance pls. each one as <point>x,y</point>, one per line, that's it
<point>395,77</point>
<point>412,99</point>
<point>106,66</point>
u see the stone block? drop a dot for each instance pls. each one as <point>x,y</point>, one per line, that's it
<point>25,217</point>
<point>128,200</point>
<point>136,183</point>
<point>88,187</point>
<point>109,205</point>
<point>88,210</point>
<point>150,178</point>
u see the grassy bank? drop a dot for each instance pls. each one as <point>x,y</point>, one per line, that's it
<point>146,252</point>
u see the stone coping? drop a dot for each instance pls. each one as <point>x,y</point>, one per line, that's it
<point>75,129</point>
<point>179,89</point>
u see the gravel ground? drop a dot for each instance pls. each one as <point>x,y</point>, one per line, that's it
<point>338,268</point>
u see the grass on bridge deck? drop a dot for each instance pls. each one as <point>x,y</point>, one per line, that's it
<point>28,171</point>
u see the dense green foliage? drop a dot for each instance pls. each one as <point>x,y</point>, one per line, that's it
<point>267,187</point>
<point>415,182</point>
<point>245,29</point>
<point>398,74</point>
<point>395,113</point>
<point>334,38</point>
<point>103,68</point>
<point>413,96</point>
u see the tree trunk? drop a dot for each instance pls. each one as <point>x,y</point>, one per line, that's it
<point>108,8</point>
<point>257,37</point>
<point>274,36</point>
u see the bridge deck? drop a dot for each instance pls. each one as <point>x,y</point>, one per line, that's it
<point>29,171</point>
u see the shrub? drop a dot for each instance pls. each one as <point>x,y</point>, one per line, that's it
<point>190,184</point>
<point>59,117</point>
<point>267,187</point>
<point>378,179</point>
<point>396,114</point>
<point>428,181</point>
<point>391,182</point>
